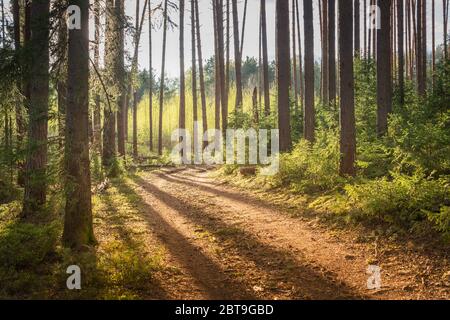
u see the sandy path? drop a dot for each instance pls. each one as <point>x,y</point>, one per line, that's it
<point>228,244</point>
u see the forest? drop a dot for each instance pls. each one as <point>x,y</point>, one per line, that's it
<point>122,124</point>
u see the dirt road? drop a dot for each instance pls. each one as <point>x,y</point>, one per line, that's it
<point>225,243</point>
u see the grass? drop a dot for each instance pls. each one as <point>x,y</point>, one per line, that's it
<point>122,266</point>
<point>171,117</point>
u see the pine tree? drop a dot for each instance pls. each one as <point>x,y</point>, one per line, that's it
<point>346,88</point>
<point>36,159</point>
<point>309,113</point>
<point>78,226</point>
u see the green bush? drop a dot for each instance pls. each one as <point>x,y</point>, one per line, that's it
<point>27,245</point>
<point>311,168</point>
<point>404,199</point>
<point>441,220</point>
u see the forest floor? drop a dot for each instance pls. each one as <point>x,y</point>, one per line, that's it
<point>189,233</point>
<point>218,241</point>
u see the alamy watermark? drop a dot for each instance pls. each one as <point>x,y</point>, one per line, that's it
<point>74,280</point>
<point>374,280</point>
<point>237,146</point>
<point>374,17</point>
<point>74,17</point>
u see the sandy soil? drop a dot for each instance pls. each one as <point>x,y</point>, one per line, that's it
<point>226,243</point>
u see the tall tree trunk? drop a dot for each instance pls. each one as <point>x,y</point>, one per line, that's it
<point>20,121</point>
<point>194,83</point>
<point>244,22</point>
<point>309,113</point>
<point>332,50</point>
<point>150,89</point>
<point>374,32</point>
<point>300,59</point>
<point>217,93</point>
<point>325,55</point>
<point>319,2</point>
<point>433,41</point>
<point>120,76</point>
<point>109,123</point>
<point>97,107</point>
<point>346,88</point>
<point>260,64</point>
<point>201,72</point>
<point>407,36</point>
<point>182,111</point>
<point>424,47</point>
<point>237,56</point>
<point>401,49</point>
<point>384,81</point>
<point>2,7</point>
<point>220,40</point>
<point>284,72</point>
<point>294,57</point>
<point>357,29</point>
<point>365,30</point>
<point>78,227</point>
<point>61,82</point>
<point>419,49</point>
<point>135,102</point>
<point>445,16</point>
<point>228,37</point>
<point>265,59</point>
<point>36,160</point>
<point>369,22</point>
<point>161,88</point>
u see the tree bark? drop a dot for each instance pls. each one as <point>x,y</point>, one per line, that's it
<point>420,49</point>
<point>2,7</point>
<point>300,59</point>
<point>135,102</point>
<point>365,30</point>
<point>284,73</point>
<point>237,56</point>
<point>97,107</point>
<point>150,89</point>
<point>161,88</point>
<point>325,55</point>
<point>221,61</point>
<point>182,111</point>
<point>109,123</point>
<point>20,121</point>
<point>445,16</point>
<point>194,82</point>
<point>331,50</point>
<point>401,49</point>
<point>346,88</point>
<point>120,76</point>
<point>357,28</point>
<point>424,48</point>
<point>384,81</point>
<point>244,22</point>
<point>217,93</point>
<point>294,57</point>
<point>309,113</point>
<point>433,41</point>
<point>265,59</point>
<point>61,82</point>
<point>78,227</point>
<point>36,160</point>
<point>201,72</point>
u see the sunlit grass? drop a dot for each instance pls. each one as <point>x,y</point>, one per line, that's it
<point>171,116</point>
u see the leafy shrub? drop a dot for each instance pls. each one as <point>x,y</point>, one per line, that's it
<point>441,220</point>
<point>311,168</point>
<point>26,245</point>
<point>404,199</point>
